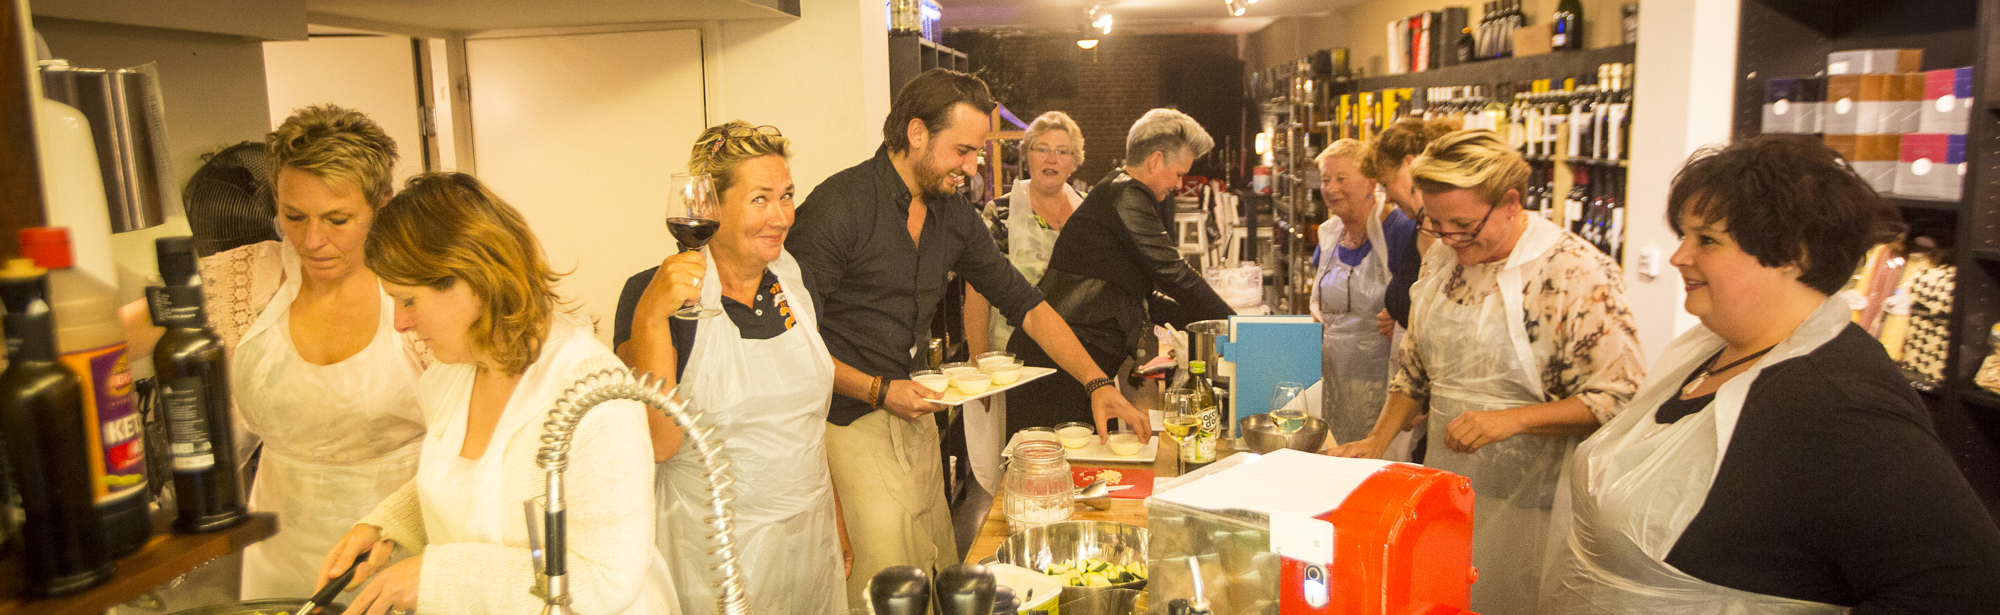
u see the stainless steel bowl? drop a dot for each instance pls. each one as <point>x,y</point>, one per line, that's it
<point>1116,543</point>
<point>1261,435</point>
<point>252,607</point>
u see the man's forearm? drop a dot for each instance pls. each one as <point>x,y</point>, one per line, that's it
<point>852,383</point>
<point>1055,337</point>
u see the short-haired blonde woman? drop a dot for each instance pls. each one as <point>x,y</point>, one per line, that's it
<point>1520,342</point>
<point>318,371</point>
<point>1359,244</point>
<point>761,374</point>
<point>470,279</point>
<point>1109,261</point>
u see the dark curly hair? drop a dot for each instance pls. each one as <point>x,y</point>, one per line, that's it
<point>1406,138</point>
<point>1786,199</point>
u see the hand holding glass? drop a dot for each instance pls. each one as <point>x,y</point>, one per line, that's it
<point>691,220</point>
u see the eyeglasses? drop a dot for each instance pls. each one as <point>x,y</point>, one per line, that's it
<point>741,132</point>
<point>1059,152</point>
<point>1435,228</point>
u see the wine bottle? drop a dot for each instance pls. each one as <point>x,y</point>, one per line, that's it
<point>48,444</point>
<point>193,374</point>
<point>1568,25</point>
<point>1200,447</point>
<point>91,343</point>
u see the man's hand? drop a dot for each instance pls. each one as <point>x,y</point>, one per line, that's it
<point>1106,403</point>
<point>1474,430</point>
<point>1385,324</point>
<point>909,400</point>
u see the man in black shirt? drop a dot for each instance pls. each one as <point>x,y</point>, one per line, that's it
<point>877,242</point>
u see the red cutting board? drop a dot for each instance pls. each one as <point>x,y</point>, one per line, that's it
<point>1141,480</point>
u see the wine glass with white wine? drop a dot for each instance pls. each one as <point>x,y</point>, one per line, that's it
<point>1179,417</point>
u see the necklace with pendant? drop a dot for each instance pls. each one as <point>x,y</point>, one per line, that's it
<point>1688,391</point>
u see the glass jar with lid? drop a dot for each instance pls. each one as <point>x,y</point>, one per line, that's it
<point>1038,488</point>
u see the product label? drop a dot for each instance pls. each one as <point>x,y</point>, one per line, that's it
<point>118,470</point>
<point>187,423</point>
<point>1200,447</point>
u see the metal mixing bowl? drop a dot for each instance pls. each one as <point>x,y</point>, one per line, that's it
<point>267,605</point>
<point>1261,435</point>
<point>1116,543</point>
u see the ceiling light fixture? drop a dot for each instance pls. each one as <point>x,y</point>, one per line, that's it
<point>1103,22</point>
<point>1087,43</point>
<point>1236,8</point>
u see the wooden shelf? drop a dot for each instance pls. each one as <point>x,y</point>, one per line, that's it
<point>1555,64</point>
<point>164,558</point>
<point>1918,202</point>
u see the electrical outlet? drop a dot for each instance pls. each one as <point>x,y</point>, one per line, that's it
<point>1649,262</point>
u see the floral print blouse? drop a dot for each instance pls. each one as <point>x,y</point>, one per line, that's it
<point>1029,251</point>
<point>1576,318</point>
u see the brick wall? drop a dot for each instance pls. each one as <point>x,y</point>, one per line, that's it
<point>1112,86</point>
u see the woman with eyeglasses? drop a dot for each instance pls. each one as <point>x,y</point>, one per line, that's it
<point>1026,220</point>
<point>1520,343</point>
<point>1357,243</point>
<point>760,374</point>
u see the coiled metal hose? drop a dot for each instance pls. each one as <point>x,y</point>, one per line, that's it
<point>553,456</point>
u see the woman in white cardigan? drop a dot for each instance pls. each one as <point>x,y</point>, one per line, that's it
<point>470,279</point>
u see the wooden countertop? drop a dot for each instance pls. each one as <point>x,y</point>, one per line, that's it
<point>993,530</point>
<point>166,556</point>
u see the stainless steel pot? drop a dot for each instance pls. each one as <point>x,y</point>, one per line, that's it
<point>1202,338</point>
<point>1036,548</point>
<point>255,607</point>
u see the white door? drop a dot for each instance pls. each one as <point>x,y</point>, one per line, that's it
<point>579,132</point>
<point>375,75</point>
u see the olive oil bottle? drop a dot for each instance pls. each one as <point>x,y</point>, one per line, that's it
<point>193,373</point>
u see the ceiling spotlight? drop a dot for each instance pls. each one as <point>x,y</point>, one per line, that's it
<point>1087,43</point>
<point>1103,22</point>
<point>1235,7</point>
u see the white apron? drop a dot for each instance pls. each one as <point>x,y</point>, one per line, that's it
<point>767,402</point>
<point>1028,248</point>
<point>1636,484</point>
<point>337,438</point>
<point>1479,359</point>
<point>1354,357</point>
<point>463,500</point>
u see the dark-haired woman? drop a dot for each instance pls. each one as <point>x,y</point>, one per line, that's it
<point>1776,461</point>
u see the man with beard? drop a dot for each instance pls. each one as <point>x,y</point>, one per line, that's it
<point>877,242</point>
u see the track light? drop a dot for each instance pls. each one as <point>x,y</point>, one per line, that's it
<point>1087,43</point>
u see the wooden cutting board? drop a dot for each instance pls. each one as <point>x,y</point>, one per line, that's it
<point>1140,480</point>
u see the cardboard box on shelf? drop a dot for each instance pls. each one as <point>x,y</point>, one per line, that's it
<point>1840,144</point>
<point>1841,115</point>
<point>1534,40</point>
<point>1793,106</point>
<point>1947,101</point>
<point>1874,61</point>
<point>1875,158</point>
<point>1921,163</point>
<point>1906,95</point>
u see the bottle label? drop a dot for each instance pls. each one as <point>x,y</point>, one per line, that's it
<point>1200,447</point>
<point>118,469</point>
<point>187,424</point>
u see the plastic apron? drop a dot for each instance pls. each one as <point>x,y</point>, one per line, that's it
<point>337,438</point>
<point>464,500</point>
<point>1354,357</point>
<point>1028,248</point>
<point>767,402</point>
<point>1478,359</point>
<point>1636,484</point>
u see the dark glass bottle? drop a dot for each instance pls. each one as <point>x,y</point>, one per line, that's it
<point>194,383</point>
<point>41,413</point>
<point>1568,25</point>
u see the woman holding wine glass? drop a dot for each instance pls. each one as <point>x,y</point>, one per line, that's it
<point>761,374</point>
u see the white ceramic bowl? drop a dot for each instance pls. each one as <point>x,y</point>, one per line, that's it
<point>1126,443</point>
<point>973,382</point>
<point>934,381</point>
<point>1005,373</point>
<point>1075,435</point>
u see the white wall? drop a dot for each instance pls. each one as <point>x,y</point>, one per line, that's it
<point>375,75</point>
<point>823,79</point>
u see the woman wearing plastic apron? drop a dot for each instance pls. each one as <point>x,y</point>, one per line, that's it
<point>1520,342</point>
<point>760,374</point>
<point>318,370</point>
<point>1354,357</point>
<point>1777,461</point>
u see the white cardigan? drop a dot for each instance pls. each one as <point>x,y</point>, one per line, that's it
<point>608,489</point>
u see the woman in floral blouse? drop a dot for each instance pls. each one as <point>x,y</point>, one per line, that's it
<point>1025,221</point>
<point>1520,343</point>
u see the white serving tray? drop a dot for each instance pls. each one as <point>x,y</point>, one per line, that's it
<point>953,397</point>
<point>1097,451</point>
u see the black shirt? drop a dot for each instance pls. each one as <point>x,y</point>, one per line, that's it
<point>875,290</point>
<point>1403,272</point>
<point>1835,489</point>
<point>767,317</point>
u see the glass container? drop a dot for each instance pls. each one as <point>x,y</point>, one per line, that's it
<point>1038,487</point>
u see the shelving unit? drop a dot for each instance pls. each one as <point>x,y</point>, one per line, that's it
<point>163,558</point>
<point>1791,38</point>
<point>910,55</point>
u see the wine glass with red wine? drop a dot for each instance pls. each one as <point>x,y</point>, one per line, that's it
<point>691,219</point>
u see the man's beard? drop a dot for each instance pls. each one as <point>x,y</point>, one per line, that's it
<point>935,181</point>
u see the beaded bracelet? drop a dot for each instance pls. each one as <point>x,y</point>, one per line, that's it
<point>1091,387</point>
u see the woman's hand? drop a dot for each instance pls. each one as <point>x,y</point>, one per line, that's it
<point>1474,430</point>
<point>1386,324</point>
<point>1365,448</point>
<point>675,285</point>
<point>362,537</point>
<point>395,592</point>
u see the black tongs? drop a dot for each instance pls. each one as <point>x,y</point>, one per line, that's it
<point>333,587</point>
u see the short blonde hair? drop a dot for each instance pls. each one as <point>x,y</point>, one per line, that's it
<point>1166,131</point>
<point>1476,159</point>
<point>1409,137</point>
<point>448,228</point>
<point>1348,148</point>
<point>336,145</point>
<point>1050,122</point>
<point>723,147</point>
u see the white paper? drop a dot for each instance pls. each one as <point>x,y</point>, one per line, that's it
<point>1284,482</point>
